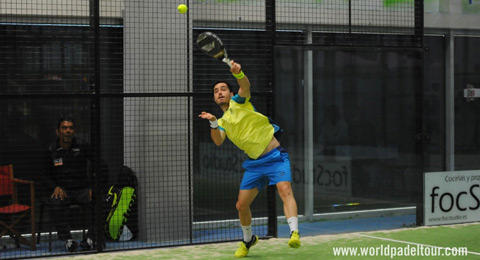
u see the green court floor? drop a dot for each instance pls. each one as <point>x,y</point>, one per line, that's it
<point>442,242</point>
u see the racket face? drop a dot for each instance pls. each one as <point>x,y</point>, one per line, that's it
<point>210,44</point>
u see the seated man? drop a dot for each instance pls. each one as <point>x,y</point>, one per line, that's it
<point>68,182</point>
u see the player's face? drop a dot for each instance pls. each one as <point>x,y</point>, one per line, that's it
<point>221,94</point>
<point>65,132</point>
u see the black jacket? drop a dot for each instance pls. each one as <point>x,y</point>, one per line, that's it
<point>68,168</point>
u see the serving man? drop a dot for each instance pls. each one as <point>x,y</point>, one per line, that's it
<point>253,133</point>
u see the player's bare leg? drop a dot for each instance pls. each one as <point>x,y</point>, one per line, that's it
<point>245,199</point>
<point>290,209</point>
<point>286,194</point>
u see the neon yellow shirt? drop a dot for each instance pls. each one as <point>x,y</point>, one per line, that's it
<point>246,128</point>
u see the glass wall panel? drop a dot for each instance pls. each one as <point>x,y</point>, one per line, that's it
<point>364,129</point>
<point>289,114</point>
<point>467,118</point>
<point>365,121</point>
<point>434,103</point>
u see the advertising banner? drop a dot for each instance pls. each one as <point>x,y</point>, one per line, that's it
<point>451,197</point>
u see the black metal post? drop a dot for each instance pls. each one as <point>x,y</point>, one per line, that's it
<point>270,26</point>
<point>349,17</point>
<point>419,17</point>
<point>95,27</point>
<point>190,116</point>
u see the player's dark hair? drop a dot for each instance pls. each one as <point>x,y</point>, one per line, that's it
<point>222,81</point>
<point>65,118</point>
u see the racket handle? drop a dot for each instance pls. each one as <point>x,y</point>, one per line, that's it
<point>227,61</point>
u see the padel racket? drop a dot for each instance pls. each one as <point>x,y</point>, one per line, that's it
<point>212,45</point>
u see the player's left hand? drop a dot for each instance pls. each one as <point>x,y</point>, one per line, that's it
<point>205,115</point>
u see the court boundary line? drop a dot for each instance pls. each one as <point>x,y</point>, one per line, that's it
<point>344,215</point>
<point>412,243</point>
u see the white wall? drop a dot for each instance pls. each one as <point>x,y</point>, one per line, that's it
<point>156,129</point>
<point>438,13</point>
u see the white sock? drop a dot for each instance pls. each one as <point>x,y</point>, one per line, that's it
<point>293,224</point>
<point>247,233</point>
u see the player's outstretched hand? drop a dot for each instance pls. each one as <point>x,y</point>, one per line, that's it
<point>205,115</point>
<point>236,68</point>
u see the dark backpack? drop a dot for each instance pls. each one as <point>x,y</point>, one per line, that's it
<point>122,220</point>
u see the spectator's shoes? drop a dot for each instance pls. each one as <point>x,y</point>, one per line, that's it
<point>87,244</point>
<point>294,241</point>
<point>71,245</point>
<point>242,251</point>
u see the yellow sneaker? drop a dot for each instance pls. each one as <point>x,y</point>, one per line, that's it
<point>294,241</point>
<point>242,251</point>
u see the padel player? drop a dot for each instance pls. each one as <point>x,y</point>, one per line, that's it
<point>253,133</point>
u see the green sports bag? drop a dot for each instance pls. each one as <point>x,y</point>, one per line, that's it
<point>121,201</point>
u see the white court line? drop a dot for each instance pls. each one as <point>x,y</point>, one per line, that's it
<point>411,243</point>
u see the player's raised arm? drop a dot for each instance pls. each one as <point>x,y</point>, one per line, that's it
<point>242,79</point>
<point>217,135</point>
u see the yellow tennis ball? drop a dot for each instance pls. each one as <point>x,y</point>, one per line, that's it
<point>182,8</point>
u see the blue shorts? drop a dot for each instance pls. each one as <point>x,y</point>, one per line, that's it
<point>273,166</point>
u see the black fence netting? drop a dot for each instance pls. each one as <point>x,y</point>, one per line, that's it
<point>99,102</point>
<point>351,23</point>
